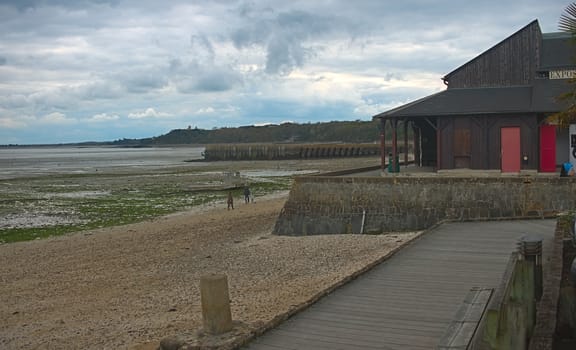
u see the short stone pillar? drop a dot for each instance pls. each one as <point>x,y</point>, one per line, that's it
<point>216,313</point>
<point>531,249</point>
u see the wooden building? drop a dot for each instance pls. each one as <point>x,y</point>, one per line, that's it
<point>494,112</point>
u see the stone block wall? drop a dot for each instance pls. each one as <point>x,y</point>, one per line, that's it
<point>338,205</point>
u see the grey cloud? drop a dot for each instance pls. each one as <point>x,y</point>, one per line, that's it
<point>67,98</point>
<point>51,22</point>
<point>98,90</point>
<point>285,36</point>
<point>14,101</point>
<point>3,61</point>
<point>202,47</point>
<point>28,4</point>
<point>195,77</point>
<point>53,100</point>
<point>20,5</point>
<point>285,54</point>
<point>217,81</point>
<point>207,81</point>
<point>305,24</point>
<point>142,81</point>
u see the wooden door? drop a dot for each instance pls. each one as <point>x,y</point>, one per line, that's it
<point>548,148</point>
<point>461,148</point>
<point>510,149</point>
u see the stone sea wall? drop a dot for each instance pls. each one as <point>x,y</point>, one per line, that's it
<point>270,151</point>
<point>337,205</point>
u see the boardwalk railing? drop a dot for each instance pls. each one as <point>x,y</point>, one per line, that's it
<point>547,314</point>
<point>504,319</point>
<point>462,329</point>
<point>510,316</point>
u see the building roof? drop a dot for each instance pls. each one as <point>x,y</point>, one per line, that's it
<point>534,24</point>
<point>537,95</point>
<point>542,97</point>
<point>558,51</point>
<point>466,101</point>
<point>546,93</point>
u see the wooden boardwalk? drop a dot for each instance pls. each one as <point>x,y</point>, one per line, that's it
<point>408,301</point>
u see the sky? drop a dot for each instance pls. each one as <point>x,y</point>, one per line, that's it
<point>103,70</point>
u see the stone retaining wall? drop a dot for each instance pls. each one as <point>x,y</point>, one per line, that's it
<point>268,151</point>
<point>336,205</point>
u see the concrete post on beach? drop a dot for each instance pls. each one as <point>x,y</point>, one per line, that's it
<point>216,313</point>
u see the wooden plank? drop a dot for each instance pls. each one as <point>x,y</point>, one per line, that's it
<point>408,301</point>
<point>334,331</point>
<point>256,345</point>
<point>313,341</point>
<point>330,315</point>
<point>305,342</point>
<point>377,324</point>
<point>367,330</point>
<point>386,305</point>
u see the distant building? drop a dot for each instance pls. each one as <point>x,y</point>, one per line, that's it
<point>493,113</point>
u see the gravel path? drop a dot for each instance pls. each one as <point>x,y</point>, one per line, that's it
<point>122,287</point>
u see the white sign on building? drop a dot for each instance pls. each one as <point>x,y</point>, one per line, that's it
<point>572,143</point>
<point>562,74</point>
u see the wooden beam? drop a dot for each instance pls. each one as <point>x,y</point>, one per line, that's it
<point>383,144</point>
<point>405,142</point>
<point>394,144</point>
<point>417,136</point>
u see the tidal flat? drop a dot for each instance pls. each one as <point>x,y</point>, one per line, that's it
<point>44,205</point>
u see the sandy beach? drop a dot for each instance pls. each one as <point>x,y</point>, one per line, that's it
<point>127,287</point>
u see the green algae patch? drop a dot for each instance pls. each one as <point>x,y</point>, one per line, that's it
<point>51,206</point>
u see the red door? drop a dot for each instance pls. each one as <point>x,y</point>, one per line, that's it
<point>510,143</point>
<point>548,148</point>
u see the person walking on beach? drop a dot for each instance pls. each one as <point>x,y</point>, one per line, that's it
<point>230,201</point>
<point>246,194</point>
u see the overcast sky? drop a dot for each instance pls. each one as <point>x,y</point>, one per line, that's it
<point>101,70</point>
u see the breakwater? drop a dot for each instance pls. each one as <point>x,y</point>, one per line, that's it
<point>288,151</point>
<point>337,205</point>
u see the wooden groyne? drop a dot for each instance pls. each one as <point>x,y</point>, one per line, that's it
<point>288,151</point>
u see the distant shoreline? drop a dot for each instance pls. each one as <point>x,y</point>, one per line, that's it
<point>97,144</point>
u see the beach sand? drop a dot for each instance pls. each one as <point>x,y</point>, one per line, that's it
<point>128,287</point>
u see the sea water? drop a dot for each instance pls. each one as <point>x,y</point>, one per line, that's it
<point>18,162</point>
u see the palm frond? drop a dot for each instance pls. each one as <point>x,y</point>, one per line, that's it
<point>567,22</point>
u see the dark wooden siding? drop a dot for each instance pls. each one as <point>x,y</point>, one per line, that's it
<point>528,138</point>
<point>511,62</point>
<point>462,139</point>
<point>485,145</point>
<point>429,145</point>
<point>446,131</point>
<point>479,151</point>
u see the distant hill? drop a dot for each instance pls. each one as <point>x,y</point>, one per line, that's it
<point>347,131</point>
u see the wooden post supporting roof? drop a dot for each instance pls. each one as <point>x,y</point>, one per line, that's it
<point>405,142</point>
<point>417,135</point>
<point>383,144</point>
<point>394,144</point>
